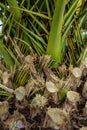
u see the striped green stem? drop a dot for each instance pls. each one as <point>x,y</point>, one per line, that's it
<point>54,47</point>
<point>14,7</point>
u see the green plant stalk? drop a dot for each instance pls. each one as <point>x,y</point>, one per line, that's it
<point>14,7</point>
<point>68,16</point>
<point>54,46</point>
<point>8,61</point>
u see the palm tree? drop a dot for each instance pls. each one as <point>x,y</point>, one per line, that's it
<point>48,27</point>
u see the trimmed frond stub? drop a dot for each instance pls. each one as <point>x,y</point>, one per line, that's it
<point>76,72</point>
<point>37,104</point>
<point>72,99</point>
<point>39,101</point>
<point>4,107</point>
<point>15,122</point>
<point>51,87</point>
<point>20,93</point>
<point>83,128</point>
<point>73,96</point>
<point>83,64</point>
<point>85,109</point>
<point>56,118</point>
<point>84,91</point>
<point>5,77</point>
